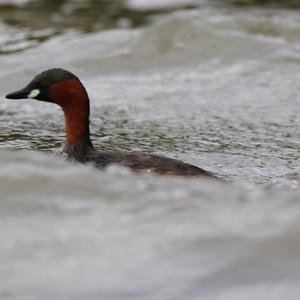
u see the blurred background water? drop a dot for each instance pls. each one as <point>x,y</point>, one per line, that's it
<point>213,83</point>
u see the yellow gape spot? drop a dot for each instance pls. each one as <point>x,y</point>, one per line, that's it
<point>33,93</point>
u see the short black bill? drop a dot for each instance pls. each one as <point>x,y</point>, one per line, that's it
<point>21,94</point>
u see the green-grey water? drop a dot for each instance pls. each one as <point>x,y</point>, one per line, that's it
<point>213,83</point>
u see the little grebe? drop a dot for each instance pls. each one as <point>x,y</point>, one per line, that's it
<point>65,89</point>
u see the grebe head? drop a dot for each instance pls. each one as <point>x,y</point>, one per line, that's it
<point>65,89</point>
<point>55,85</point>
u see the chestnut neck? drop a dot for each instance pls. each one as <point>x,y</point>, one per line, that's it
<point>77,125</point>
<point>72,97</point>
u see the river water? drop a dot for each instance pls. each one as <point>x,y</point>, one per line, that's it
<point>216,85</point>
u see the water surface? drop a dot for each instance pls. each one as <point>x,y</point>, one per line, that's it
<point>213,85</point>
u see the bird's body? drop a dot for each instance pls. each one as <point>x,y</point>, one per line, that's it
<point>137,162</point>
<point>65,89</point>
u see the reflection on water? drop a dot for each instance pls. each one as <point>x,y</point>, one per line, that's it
<point>36,21</point>
<point>33,22</point>
<point>62,15</point>
<point>213,83</point>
